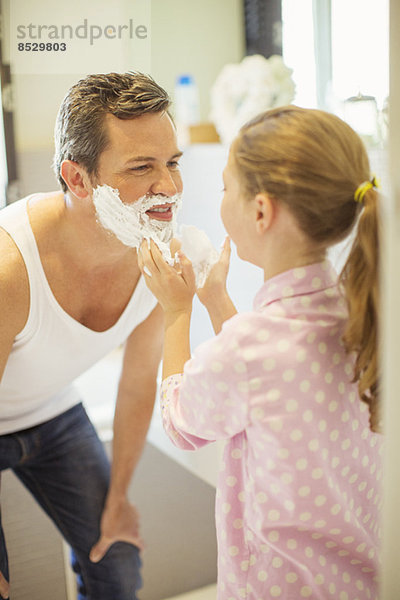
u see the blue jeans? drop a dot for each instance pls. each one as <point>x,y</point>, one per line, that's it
<point>63,464</point>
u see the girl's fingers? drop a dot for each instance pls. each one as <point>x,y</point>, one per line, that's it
<point>151,257</point>
<point>145,251</point>
<point>145,260</point>
<point>226,249</point>
<point>158,258</point>
<point>175,246</point>
<point>187,269</point>
<point>140,259</point>
<point>152,262</point>
<point>177,264</point>
<point>147,271</point>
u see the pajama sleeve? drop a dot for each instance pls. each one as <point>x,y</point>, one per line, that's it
<point>208,402</point>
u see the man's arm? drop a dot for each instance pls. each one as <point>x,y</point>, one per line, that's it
<point>14,296</point>
<point>136,395</point>
<point>14,309</point>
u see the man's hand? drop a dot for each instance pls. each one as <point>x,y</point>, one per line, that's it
<point>4,586</point>
<point>119,523</point>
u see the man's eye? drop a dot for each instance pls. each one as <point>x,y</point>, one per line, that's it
<point>140,168</point>
<point>174,164</point>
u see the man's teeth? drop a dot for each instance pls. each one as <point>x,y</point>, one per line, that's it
<point>160,210</point>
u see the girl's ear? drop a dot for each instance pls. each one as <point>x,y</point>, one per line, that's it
<point>76,179</point>
<point>265,212</point>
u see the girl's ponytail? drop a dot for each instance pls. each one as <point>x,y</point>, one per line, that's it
<point>360,279</point>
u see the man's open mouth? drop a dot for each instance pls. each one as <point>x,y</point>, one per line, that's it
<point>161,212</point>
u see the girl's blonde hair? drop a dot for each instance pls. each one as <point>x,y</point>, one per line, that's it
<point>314,162</point>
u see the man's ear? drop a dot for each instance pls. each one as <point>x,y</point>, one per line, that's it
<point>265,212</point>
<point>76,179</point>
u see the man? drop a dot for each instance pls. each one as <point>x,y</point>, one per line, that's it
<point>70,291</point>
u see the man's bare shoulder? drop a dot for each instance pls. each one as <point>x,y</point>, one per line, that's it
<point>14,286</point>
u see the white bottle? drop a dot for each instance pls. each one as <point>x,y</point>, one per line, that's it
<point>187,106</point>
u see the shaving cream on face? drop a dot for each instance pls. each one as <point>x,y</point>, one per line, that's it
<point>130,223</point>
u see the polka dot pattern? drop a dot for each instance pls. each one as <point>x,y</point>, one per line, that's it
<point>298,499</point>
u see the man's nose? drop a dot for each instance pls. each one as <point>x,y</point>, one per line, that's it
<point>168,183</point>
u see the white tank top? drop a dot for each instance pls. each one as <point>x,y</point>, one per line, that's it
<point>53,348</point>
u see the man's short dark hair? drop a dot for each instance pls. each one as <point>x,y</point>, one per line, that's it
<point>80,134</point>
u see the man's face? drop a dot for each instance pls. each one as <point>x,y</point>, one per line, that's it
<point>142,160</point>
<point>138,188</point>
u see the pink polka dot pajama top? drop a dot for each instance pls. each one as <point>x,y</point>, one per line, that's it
<point>298,497</point>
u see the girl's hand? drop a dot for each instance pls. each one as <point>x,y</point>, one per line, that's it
<point>215,285</point>
<point>175,246</point>
<point>174,287</point>
<point>214,294</point>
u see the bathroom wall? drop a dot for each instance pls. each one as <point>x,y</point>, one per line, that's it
<point>198,38</point>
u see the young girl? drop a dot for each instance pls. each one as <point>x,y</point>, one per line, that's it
<point>292,386</point>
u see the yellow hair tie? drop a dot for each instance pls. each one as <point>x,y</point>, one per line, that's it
<point>364,187</point>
